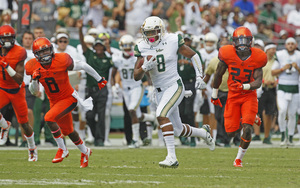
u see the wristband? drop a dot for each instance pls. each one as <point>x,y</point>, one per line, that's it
<point>11,71</point>
<point>246,86</point>
<point>214,93</point>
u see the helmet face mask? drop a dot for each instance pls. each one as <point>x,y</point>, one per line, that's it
<point>242,39</point>
<point>7,36</point>
<point>153,30</point>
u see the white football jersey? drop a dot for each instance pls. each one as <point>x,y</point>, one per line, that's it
<point>288,77</point>
<point>125,68</point>
<point>165,73</point>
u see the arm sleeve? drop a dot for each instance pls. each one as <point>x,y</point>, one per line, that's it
<point>33,87</point>
<point>197,65</point>
<point>79,65</point>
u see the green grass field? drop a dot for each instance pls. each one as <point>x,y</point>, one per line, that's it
<point>198,167</point>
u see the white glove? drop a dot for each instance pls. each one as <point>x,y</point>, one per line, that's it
<point>115,90</point>
<point>149,65</point>
<point>200,84</point>
<point>188,93</point>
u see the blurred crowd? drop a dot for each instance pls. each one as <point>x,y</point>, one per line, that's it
<point>204,24</point>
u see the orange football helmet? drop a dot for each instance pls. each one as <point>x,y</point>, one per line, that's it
<point>242,38</point>
<point>43,50</point>
<point>7,36</point>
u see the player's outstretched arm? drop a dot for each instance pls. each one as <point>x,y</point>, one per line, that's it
<point>79,65</point>
<point>138,72</point>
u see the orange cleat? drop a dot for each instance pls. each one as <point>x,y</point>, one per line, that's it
<point>85,158</point>
<point>60,155</point>
<point>238,163</point>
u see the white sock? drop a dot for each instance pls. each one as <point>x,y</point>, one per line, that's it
<point>214,131</point>
<point>60,143</point>
<point>298,128</point>
<point>30,141</point>
<point>149,131</point>
<point>135,131</point>
<point>241,153</point>
<point>81,134</point>
<point>82,147</point>
<point>198,132</point>
<point>107,127</point>
<point>170,144</point>
<point>3,122</point>
<point>148,117</point>
<point>76,125</point>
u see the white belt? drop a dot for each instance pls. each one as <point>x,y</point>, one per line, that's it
<point>87,104</point>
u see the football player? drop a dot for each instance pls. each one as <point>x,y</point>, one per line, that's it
<point>12,87</point>
<point>132,90</point>
<point>244,65</point>
<point>51,70</point>
<point>169,89</point>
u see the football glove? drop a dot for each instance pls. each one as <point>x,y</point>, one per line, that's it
<point>115,90</point>
<point>3,64</point>
<point>102,83</point>
<point>200,84</point>
<point>216,102</point>
<point>36,74</point>
<point>149,64</point>
<point>237,86</point>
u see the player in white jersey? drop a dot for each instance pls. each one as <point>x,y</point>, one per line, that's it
<point>133,91</point>
<point>162,68</point>
<point>287,69</point>
<point>208,110</point>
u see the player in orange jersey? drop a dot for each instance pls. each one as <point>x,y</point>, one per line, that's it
<point>12,87</point>
<point>244,64</point>
<point>51,70</point>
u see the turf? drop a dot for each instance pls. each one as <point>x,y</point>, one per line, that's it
<point>198,167</point>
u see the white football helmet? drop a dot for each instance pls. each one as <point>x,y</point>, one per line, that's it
<point>210,37</point>
<point>126,44</point>
<point>153,30</point>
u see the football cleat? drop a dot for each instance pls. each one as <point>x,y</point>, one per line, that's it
<point>283,143</point>
<point>4,134</point>
<point>209,140</point>
<point>169,162</point>
<point>238,163</point>
<point>85,158</point>
<point>60,155</point>
<point>134,144</point>
<point>33,155</point>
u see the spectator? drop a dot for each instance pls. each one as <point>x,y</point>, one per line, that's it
<point>6,17</point>
<point>259,44</point>
<point>192,17</point>
<point>62,45</point>
<point>287,69</point>
<point>262,32</point>
<point>137,12</point>
<point>267,101</point>
<point>288,7</point>
<point>118,13</point>
<point>175,10</point>
<point>95,12</point>
<point>101,63</point>
<point>245,6</point>
<point>293,17</point>
<point>75,9</point>
<point>104,27</point>
<point>268,16</point>
<point>225,27</point>
<point>250,24</point>
<point>160,8</point>
<point>42,10</point>
<point>283,35</point>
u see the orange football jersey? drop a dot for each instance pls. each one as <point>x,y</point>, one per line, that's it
<point>13,57</point>
<point>54,79</point>
<point>239,70</point>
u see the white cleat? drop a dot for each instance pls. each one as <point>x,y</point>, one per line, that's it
<point>33,154</point>
<point>283,143</point>
<point>169,162</point>
<point>4,134</point>
<point>134,144</point>
<point>209,140</point>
